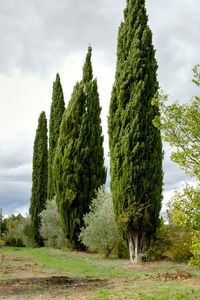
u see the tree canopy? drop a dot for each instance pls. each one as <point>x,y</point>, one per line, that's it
<point>79,160</point>
<point>135,144</point>
<point>57,110</point>
<point>39,177</point>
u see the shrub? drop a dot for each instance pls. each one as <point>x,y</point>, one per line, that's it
<point>13,238</point>
<point>100,232</point>
<point>11,234</point>
<point>2,243</point>
<point>25,231</point>
<point>50,229</point>
<point>171,242</point>
<point>195,248</point>
<point>122,249</point>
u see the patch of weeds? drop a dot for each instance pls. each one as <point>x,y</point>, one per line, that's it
<point>5,277</point>
<point>105,294</point>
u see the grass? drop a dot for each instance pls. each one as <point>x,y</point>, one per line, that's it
<point>150,290</point>
<point>83,265</point>
<point>122,283</point>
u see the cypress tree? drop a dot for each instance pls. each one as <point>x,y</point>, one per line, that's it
<point>57,110</point>
<point>79,160</point>
<point>135,144</point>
<point>39,177</point>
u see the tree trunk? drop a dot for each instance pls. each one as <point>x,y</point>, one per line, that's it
<point>136,247</point>
<point>133,247</point>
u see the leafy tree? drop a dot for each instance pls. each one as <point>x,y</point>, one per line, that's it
<point>57,110</point>
<point>135,144</point>
<point>39,177</point>
<point>79,160</point>
<point>180,126</point>
<point>100,232</point>
<point>172,241</point>
<point>50,228</point>
<point>184,207</point>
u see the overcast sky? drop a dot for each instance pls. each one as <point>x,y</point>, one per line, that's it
<point>41,38</point>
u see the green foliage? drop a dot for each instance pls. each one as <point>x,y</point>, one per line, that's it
<point>135,144</point>
<point>12,235</point>
<point>25,231</point>
<point>195,249</point>
<point>51,230</point>
<point>2,243</point>
<point>57,110</point>
<point>172,242</point>
<point>184,210</point>
<point>180,128</point>
<point>184,207</point>
<point>100,232</point>
<point>39,177</point>
<point>79,159</point>
<point>122,248</point>
<point>3,226</point>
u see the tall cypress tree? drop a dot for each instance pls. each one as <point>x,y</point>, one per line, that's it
<point>39,177</point>
<point>79,160</point>
<point>135,144</point>
<point>57,110</point>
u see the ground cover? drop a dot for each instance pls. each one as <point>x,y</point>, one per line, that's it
<point>47,273</point>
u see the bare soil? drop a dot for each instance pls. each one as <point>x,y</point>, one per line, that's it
<point>27,280</point>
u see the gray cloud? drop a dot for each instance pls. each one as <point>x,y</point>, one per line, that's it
<point>14,195</point>
<point>15,173</point>
<point>173,176</point>
<point>13,157</point>
<point>36,35</point>
<point>175,26</point>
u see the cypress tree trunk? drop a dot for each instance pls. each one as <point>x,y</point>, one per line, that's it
<point>39,177</point>
<point>57,110</point>
<point>135,144</point>
<point>79,161</point>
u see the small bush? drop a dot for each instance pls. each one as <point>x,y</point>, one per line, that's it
<point>100,233</point>
<point>26,232</point>
<point>2,243</point>
<point>195,248</point>
<point>171,242</point>
<point>50,229</point>
<point>13,238</point>
<point>122,249</point>
<point>11,234</point>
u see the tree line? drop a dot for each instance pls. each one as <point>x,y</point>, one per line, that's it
<point>72,169</point>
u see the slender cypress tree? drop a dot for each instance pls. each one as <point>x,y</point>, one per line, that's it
<point>79,160</point>
<point>135,144</point>
<point>57,110</point>
<point>39,177</point>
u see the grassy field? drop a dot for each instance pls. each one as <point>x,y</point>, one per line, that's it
<point>47,273</point>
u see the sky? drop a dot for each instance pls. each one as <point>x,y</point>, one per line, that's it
<point>41,38</point>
